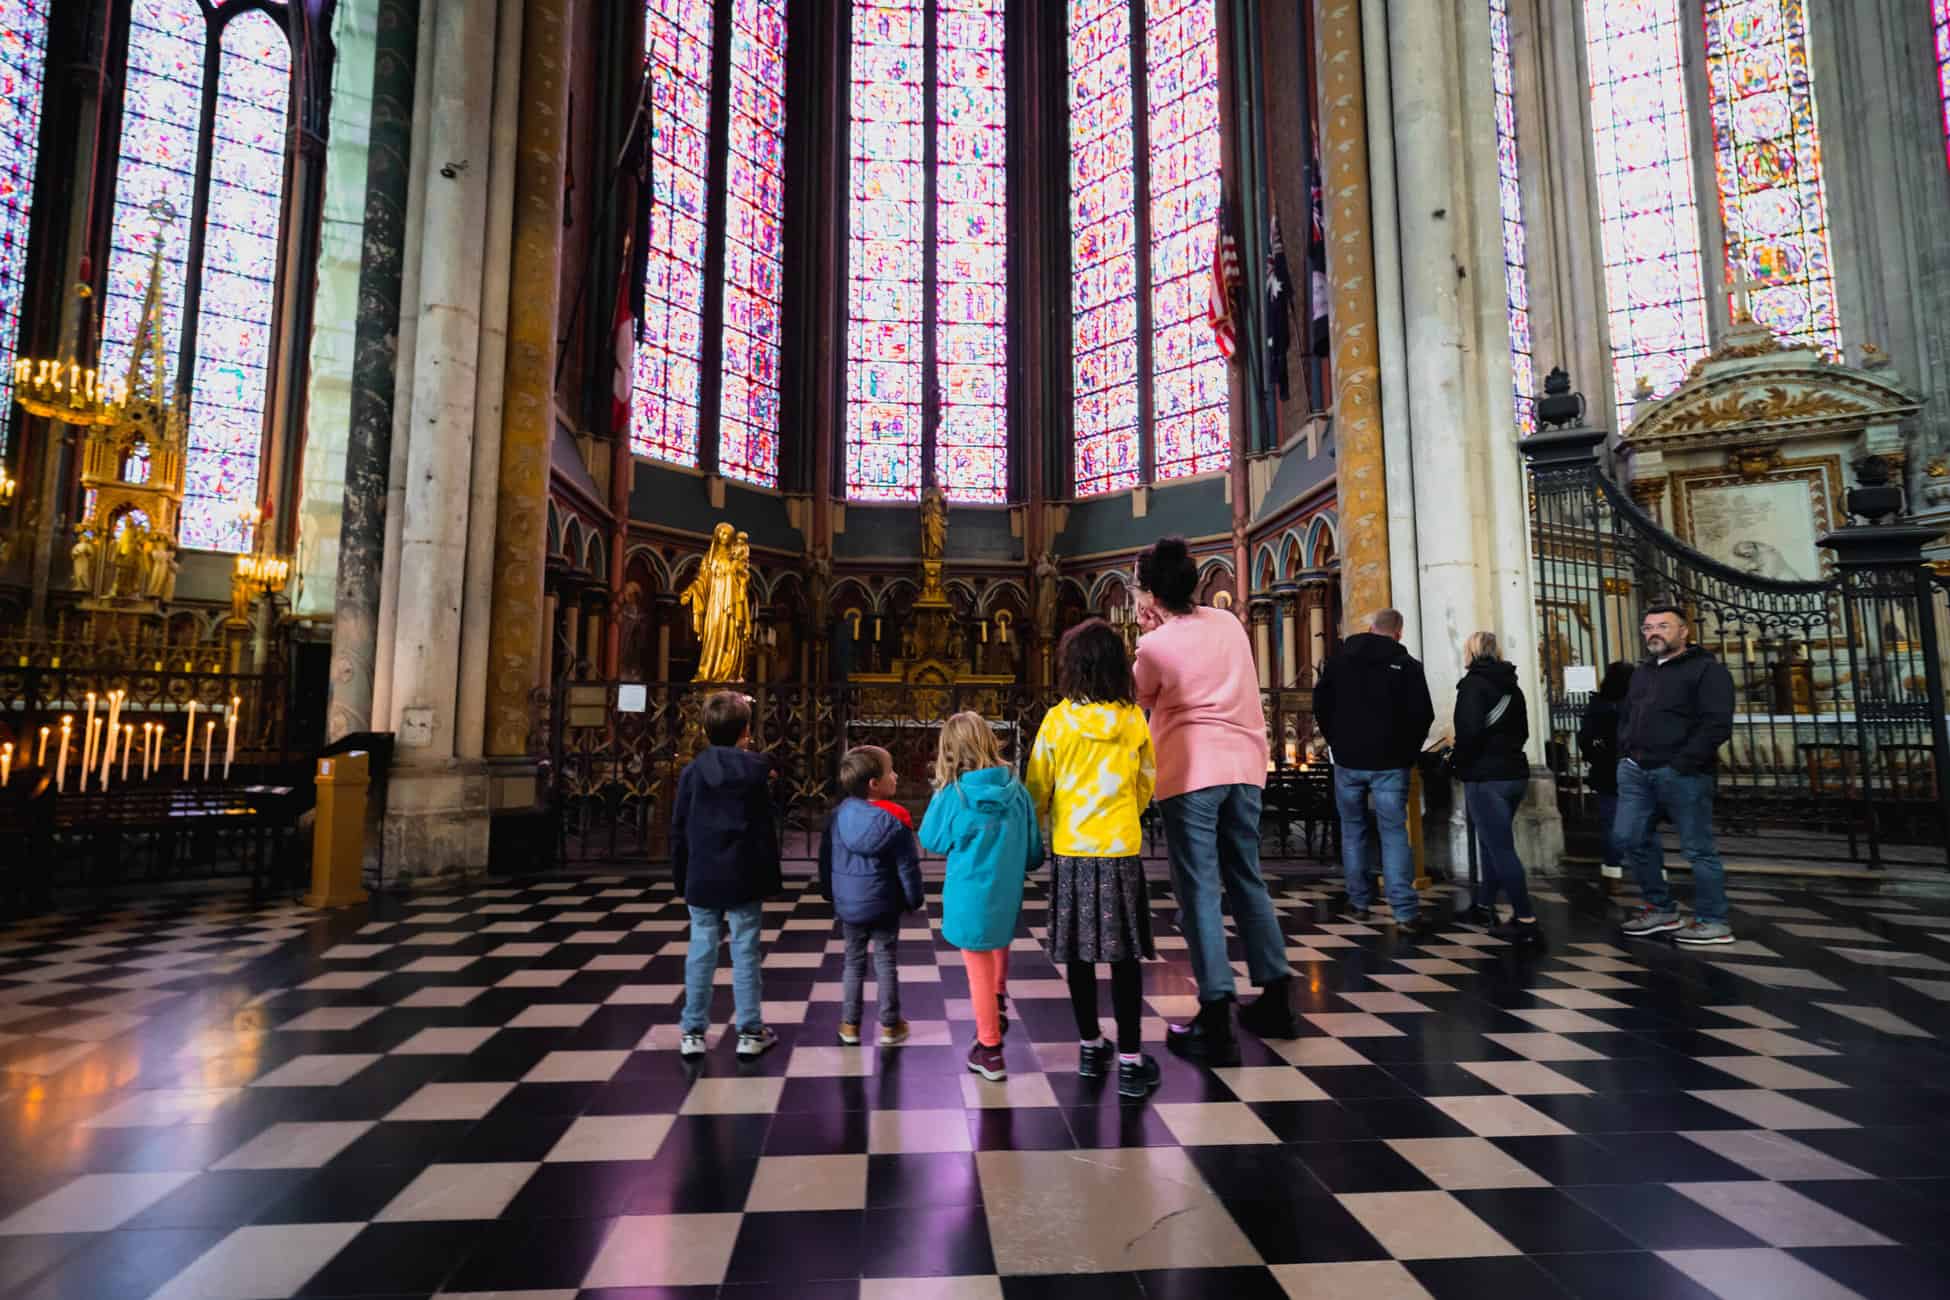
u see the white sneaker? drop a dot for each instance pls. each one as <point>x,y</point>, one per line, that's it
<point>756,1041</point>
<point>690,1045</point>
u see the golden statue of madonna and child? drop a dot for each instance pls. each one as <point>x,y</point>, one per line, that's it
<point>720,604</point>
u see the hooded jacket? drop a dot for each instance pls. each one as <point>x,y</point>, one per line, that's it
<point>868,864</point>
<point>1090,776</point>
<point>985,826</point>
<point>724,846</point>
<point>1485,750</point>
<point>1372,704</point>
<point>1678,713</point>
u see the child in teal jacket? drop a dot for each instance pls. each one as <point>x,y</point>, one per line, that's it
<point>981,819</point>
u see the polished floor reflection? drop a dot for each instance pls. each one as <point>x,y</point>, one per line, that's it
<point>479,1093</point>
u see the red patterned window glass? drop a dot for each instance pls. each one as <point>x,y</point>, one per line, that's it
<point>1103,247</point>
<point>1191,432</point>
<point>23,65</point>
<point>677,43</point>
<point>748,420</point>
<point>1516,277</point>
<point>1648,216</point>
<point>1767,148</point>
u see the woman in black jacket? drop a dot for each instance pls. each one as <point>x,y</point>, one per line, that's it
<point>1598,744</point>
<point>1491,728</point>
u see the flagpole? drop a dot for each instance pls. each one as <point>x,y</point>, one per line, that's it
<point>639,120</point>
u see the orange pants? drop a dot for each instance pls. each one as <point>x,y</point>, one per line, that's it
<point>988,976</point>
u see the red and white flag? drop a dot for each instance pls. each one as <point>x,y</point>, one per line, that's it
<point>622,347</point>
<point>1225,284</point>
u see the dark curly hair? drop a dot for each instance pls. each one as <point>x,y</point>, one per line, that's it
<point>1091,667</point>
<point>1167,570</point>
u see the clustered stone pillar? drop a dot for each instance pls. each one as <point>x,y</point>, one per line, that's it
<point>1289,602</point>
<point>1262,618</point>
<point>1353,346</point>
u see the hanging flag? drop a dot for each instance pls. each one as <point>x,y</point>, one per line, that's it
<point>1317,255</point>
<point>1279,310</point>
<point>569,169</point>
<point>1225,282</point>
<point>622,348</point>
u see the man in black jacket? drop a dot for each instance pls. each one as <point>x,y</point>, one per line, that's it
<point>724,856</point>
<point>1676,716</point>
<point>1372,704</point>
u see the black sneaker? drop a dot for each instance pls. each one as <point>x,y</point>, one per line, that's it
<point>1359,915</point>
<point>1482,916</point>
<point>1093,1062</point>
<point>1515,931</point>
<point>1136,1078</point>
<point>1208,1040</point>
<point>1270,1015</point>
<point>1419,926</point>
<point>987,1062</point>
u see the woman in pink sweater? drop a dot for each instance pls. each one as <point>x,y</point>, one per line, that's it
<point>1195,675</point>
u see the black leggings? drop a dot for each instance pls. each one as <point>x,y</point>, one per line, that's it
<point>1126,1000</point>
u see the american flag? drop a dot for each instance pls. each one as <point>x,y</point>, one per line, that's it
<point>1225,283</point>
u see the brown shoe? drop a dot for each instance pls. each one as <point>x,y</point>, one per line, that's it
<point>895,1034</point>
<point>849,1035</point>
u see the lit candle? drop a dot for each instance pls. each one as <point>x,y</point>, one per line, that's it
<point>985,632</point>
<point>6,764</point>
<point>88,738</point>
<point>88,734</point>
<point>128,739</point>
<point>148,741</point>
<point>61,767</point>
<point>113,731</point>
<point>230,737</point>
<point>189,739</point>
<point>40,755</point>
<point>209,732</point>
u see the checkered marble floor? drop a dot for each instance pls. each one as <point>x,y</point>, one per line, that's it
<point>478,1093</point>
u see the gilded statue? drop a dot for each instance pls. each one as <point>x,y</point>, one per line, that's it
<point>127,573</point>
<point>934,523</point>
<point>721,608</point>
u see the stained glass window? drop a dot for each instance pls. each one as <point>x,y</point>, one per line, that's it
<point>1940,16</point>
<point>885,251</point>
<point>162,116</point>
<point>240,258</point>
<point>748,424</point>
<point>1516,278</point>
<point>1190,430</point>
<point>1103,247</point>
<point>664,424</point>
<point>23,57</point>
<point>971,215</point>
<point>1648,216</point>
<point>1768,151</point>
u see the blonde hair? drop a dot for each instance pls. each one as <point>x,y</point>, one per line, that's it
<point>1480,645</point>
<point>967,745</point>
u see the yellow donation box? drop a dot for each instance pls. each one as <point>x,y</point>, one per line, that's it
<point>338,836</point>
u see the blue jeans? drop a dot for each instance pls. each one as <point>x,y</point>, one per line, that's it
<point>1608,829</point>
<point>707,931</point>
<point>1493,808</point>
<point>1389,786</point>
<point>1686,799</point>
<point>1213,838</point>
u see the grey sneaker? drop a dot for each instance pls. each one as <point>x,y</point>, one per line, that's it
<point>691,1045</point>
<point>1652,920</point>
<point>1700,933</point>
<point>756,1040</point>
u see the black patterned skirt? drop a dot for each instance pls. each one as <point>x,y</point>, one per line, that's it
<point>1099,910</point>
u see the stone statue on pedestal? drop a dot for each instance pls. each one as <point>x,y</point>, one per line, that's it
<point>83,555</point>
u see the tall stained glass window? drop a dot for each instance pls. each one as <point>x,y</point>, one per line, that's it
<point>238,289</point>
<point>748,420</point>
<point>1648,217</point>
<point>927,286</point>
<point>23,59</point>
<point>971,213</point>
<point>1103,247</point>
<point>1940,20</point>
<point>668,384</point>
<point>1189,379</point>
<point>1516,279</point>
<point>1768,152</point>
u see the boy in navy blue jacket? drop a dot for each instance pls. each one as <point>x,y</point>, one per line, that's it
<point>871,869</point>
<point>724,853</point>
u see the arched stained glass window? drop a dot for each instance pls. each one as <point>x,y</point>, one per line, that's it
<point>748,421</point>
<point>1155,184</point>
<point>1189,378</point>
<point>238,287</point>
<point>1940,22</point>
<point>1648,217</point>
<point>1516,277</point>
<point>927,290</point>
<point>1103,247</point>
<point>668,382</point>
<point>23,60</point>
<point>1768,150</point>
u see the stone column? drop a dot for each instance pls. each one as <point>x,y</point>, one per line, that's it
<point>1262,617</point>
<point>1316,593</point>
<point>545,668</point>
<point>521,525</point>
<point>666,610</point>
<point>1289,602</point>
<point>1351,311</point>
<point>368,455</point>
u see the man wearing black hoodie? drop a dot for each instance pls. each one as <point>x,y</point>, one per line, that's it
<point>724,856</point>
<point>1372,703</point>
<point>1676,716</point>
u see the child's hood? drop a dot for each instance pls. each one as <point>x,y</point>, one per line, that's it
<point>989,790</point>
<point>1106,723</point>
<point>726,768</point>
<point>859,827</point>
